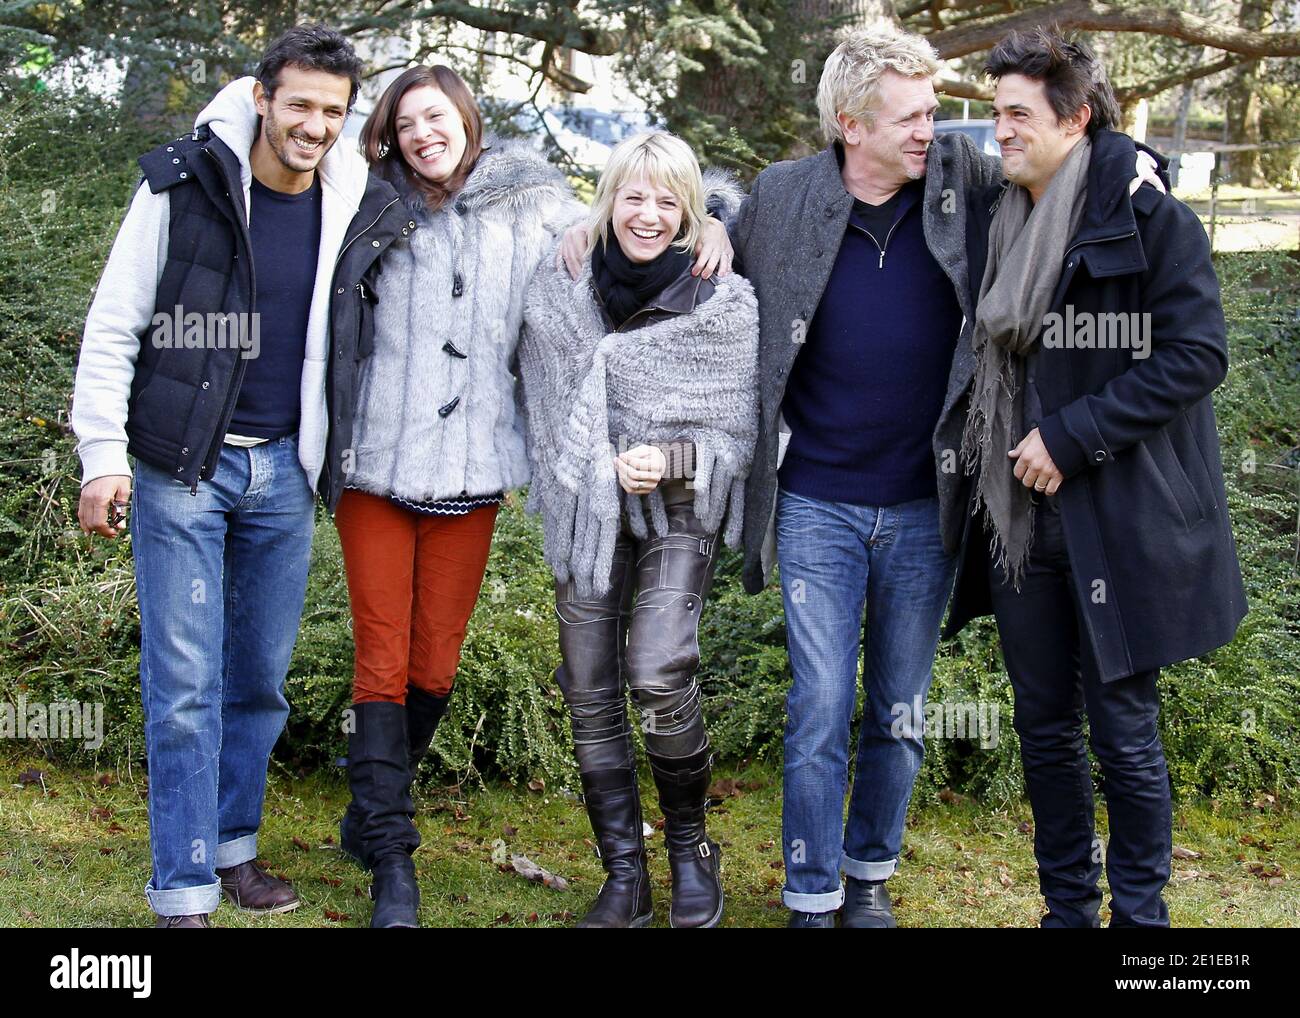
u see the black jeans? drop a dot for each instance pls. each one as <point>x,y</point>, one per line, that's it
<point>643,634</point>
<point>1054,675</point>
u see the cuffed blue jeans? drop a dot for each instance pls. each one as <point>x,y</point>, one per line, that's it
<point>220,578</point>
<point>836,559</point>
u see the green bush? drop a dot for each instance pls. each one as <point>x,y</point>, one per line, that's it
<point>69,627</point>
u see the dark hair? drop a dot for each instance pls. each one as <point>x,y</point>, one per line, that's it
<point>1069,69</point>
<point>379,136</point>
<point>311,48</point>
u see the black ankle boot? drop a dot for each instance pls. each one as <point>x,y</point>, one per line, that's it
<point>614,807</point>
<point>380,775</point>
<point>423,712</point>
<point>693,858</point>
<point>395,892</point>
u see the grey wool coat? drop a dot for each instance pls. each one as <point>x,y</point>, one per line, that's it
<point>438,407</point>
<point>787,236</point>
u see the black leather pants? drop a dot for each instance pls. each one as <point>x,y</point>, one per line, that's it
<point>643,634</point>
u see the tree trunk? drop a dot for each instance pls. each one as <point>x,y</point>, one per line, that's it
<point>1180,129</point>
<point>1241,110</point>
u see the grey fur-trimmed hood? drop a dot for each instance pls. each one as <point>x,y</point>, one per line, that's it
<point>724,191</point>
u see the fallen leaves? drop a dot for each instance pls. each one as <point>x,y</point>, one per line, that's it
<point>529,870</point>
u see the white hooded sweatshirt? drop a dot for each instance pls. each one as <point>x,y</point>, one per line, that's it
<point>123,308</point>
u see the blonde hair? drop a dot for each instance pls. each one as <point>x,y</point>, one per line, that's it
<point>851,76</point>
<point>664,160</point>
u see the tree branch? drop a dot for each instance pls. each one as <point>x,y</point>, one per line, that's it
<point>963,89</point>
<point>1092,15</point>
<point>567,31</point>
<point>1149,88</point>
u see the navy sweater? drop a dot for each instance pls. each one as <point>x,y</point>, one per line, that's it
<point>285,231</point>
<point>866,390</point>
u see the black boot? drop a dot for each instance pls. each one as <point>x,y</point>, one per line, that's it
<point>614,807</point>
<point>866,905</point>
<point>694,858</point>
<point>423,712</point>
<point>379,772</point>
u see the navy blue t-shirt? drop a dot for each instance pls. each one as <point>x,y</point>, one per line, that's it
<point>285,231</point>
<point>866,390</point>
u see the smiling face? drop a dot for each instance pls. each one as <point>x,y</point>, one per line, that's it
<point>647,218</point>
<point>894,148</point>
<point>304,117</point>
<point>430,133</point>
<point>1034,142</point>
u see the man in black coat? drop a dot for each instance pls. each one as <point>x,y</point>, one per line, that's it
<point>1106,549</point>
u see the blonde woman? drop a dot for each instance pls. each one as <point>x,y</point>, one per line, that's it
<point>640,390</point>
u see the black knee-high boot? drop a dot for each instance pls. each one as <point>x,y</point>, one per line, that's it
<point>614,808</point>
<point>379,772</point>
<point>423,712</point>
<point>694,858</point>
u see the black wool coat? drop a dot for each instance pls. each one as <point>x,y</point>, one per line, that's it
<point>1143,507</point>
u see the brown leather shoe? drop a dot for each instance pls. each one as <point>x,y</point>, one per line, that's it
<point>251,888</point>
<point>182,922</point>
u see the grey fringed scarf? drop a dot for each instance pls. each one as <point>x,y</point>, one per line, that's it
<point>589,395</point>
<point>1026,246</point>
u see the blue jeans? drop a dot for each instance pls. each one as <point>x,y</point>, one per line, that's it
<point>220,577</point>
<point>836,558</point>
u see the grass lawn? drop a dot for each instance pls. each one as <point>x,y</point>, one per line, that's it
<point>74,851</point>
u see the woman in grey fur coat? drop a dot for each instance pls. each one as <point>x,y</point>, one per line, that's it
<point>437,440</point>
<point>640,384</point>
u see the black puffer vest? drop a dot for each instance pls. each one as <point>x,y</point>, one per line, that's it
<point>182,397</point>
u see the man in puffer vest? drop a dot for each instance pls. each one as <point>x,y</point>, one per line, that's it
<point>208,356</point>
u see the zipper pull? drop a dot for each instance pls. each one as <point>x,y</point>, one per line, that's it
<point>882,259</point>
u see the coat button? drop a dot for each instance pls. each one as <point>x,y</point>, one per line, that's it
<point>1099,455</point>
<point>205,385</point>
<point>374,243</point>
<point>817,254</point>
<point>447,408</point>
<point>339,290</point>
<point>175,160</point>
<point>406,233</point>
<point>185,450</point>
<point>170,149</point>
<point>411,224</point>
<point>184,175</point>
<point>829,212</point>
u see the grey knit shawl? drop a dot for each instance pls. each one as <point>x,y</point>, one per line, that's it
<point>589,394</point>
